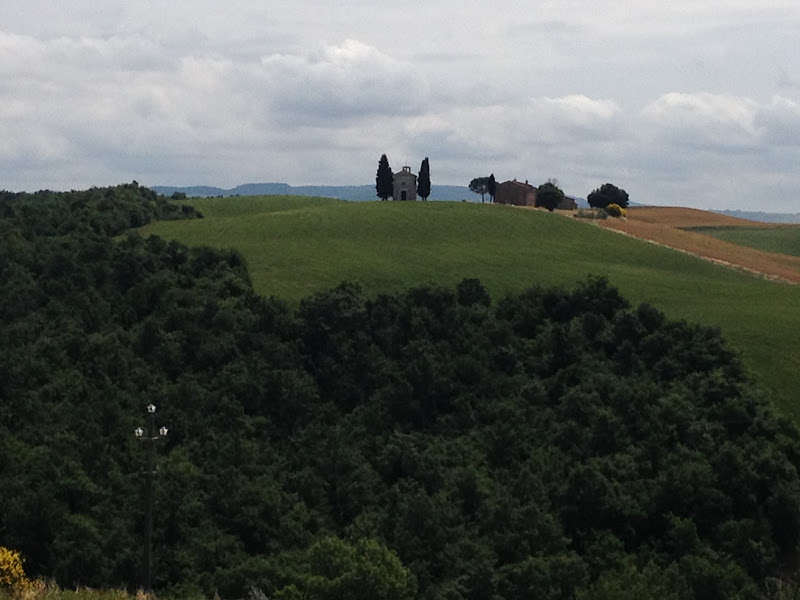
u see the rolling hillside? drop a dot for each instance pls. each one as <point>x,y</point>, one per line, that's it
<point>296,246</point>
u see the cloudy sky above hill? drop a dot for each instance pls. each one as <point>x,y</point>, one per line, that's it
<point>693,103</point>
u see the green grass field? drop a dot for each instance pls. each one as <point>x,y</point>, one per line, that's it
<point>783,240</point>
<point>297,246</point>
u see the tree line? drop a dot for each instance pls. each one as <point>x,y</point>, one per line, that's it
<point>430,443</point>
<point>549,195</point>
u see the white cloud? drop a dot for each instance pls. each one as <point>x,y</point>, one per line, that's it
<point>702,120</point>
<point>574,118</point>
<point>342,82</point>
<point>509,127</point>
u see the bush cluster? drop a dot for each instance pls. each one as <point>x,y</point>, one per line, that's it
<point>597,214</point>
<point>12,573</point>
<point>615,210</point>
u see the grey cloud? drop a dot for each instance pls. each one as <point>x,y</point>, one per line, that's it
<point>546,27</point>
<point>780,122</point>
<point>450,57</point>
<point>716,150</point>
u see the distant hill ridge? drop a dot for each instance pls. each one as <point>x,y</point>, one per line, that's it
<point>762,216</point>
<point>363,193</point>
<point>356,193</point>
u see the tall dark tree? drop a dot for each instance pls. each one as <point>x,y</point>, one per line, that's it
<point>424,180</point>
<point>384,180</point>
<point>549,195</point>
<point>479,185</point>
<point>607,194</point>
<point>491,186</point>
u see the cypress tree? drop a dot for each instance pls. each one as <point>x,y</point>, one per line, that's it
<point>384,180</point>
<point>424,180</point>
<point>491,186</point>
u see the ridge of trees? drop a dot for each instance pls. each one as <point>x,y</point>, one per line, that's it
<point>428,443</point>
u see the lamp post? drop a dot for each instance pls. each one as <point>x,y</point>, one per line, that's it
<point>151,436</point>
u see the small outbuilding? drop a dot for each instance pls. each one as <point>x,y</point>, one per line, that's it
<point>405,185</point>
<point>516,193</point>
<point>568,203</point>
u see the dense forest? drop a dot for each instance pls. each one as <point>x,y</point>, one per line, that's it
<point>435,443</point>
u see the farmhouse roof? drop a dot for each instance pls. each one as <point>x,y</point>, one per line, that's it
<point>518,183</point>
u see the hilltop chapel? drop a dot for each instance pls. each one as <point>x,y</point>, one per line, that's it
<point>404,185</point>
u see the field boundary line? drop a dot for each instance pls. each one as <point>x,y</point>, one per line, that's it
<point>711,259</point>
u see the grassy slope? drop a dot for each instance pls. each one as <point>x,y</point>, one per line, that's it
<point>296,246</point>
<point>782,241</point>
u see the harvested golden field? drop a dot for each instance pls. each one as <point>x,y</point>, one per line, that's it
<point>674,216</point>
<point>664,225</point>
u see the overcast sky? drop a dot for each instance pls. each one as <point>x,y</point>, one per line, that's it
<point>693,103</point>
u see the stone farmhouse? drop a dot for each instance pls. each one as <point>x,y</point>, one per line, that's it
<point>524,194</point>
<point>516,193</point>
<point>405,185</point>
